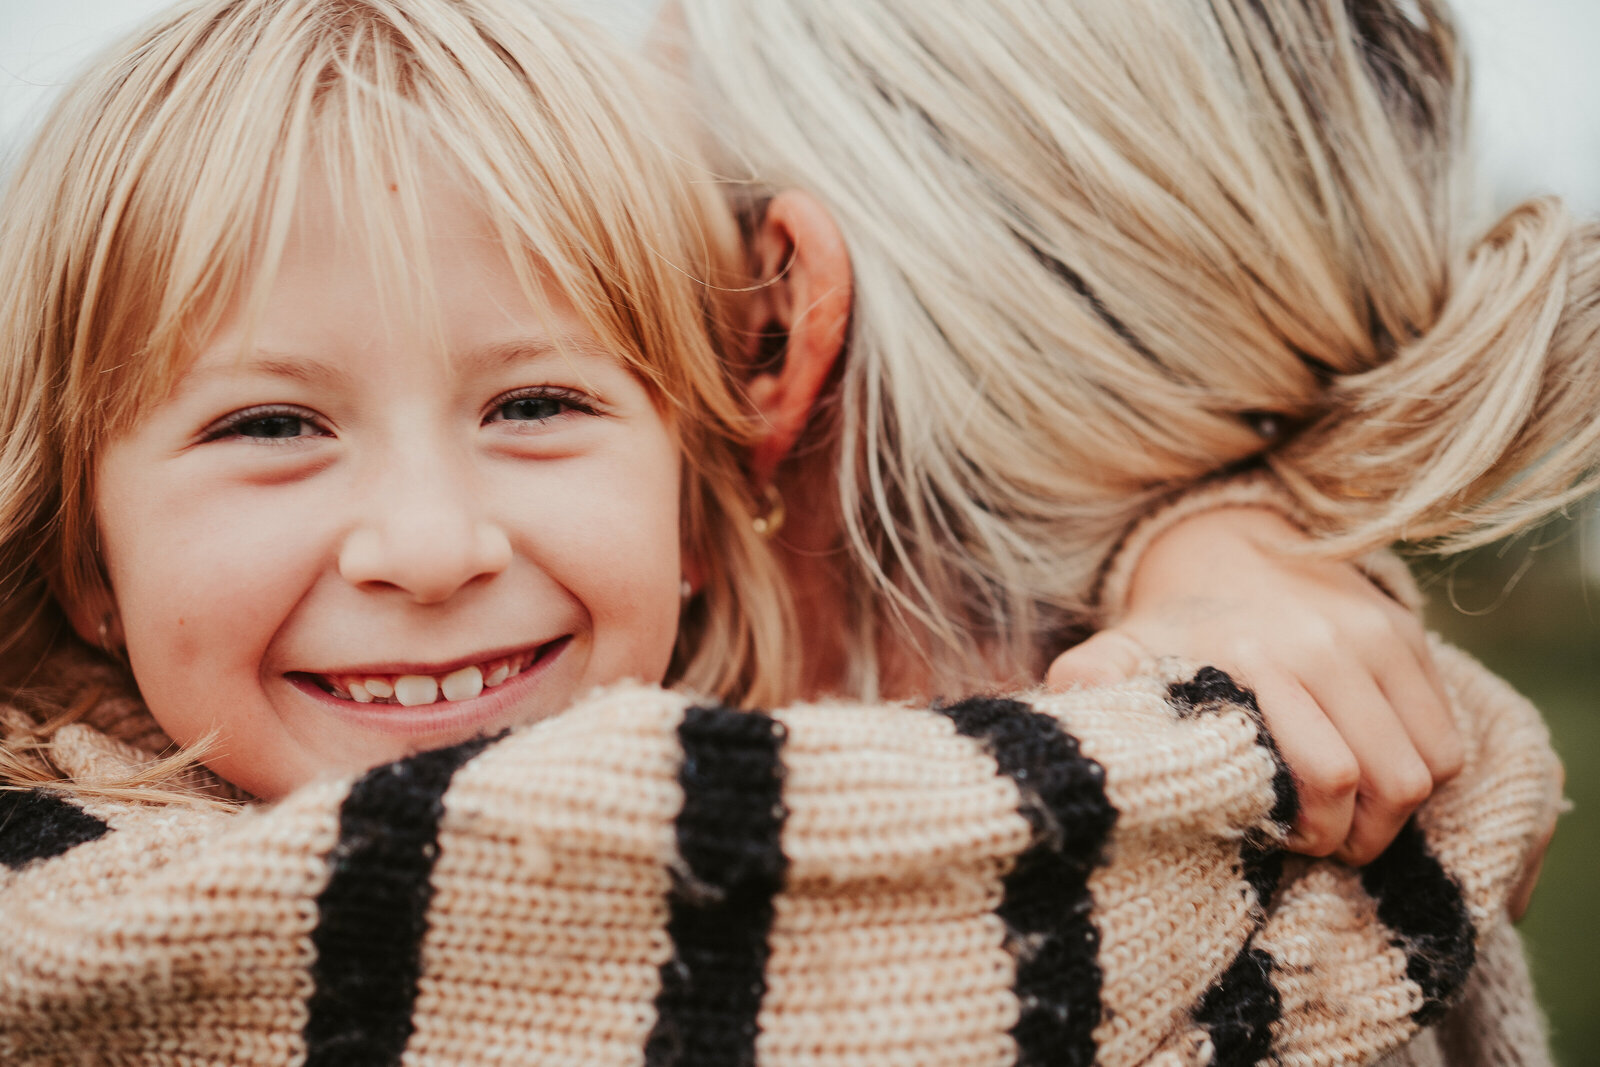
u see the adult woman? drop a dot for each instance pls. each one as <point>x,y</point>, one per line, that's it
<point>1098,253</point>
<point>1102,250</point>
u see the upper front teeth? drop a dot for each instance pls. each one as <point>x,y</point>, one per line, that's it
<point>458,685</point>
<point>413,690</point>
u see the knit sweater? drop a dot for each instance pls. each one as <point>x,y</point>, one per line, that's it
<point>1089,877</point>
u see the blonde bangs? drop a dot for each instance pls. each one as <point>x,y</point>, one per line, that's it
<point>187,152</point>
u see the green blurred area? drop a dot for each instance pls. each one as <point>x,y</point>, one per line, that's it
<point>1525,609</point>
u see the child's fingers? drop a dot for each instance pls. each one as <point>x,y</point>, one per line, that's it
<point>1423,709</point>
<point>1325,770</point>
<point>1394,778</point>
<point>1401,661</point>
<point>1107,657</point>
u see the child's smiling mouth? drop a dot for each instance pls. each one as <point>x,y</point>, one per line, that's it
<point>417,688</point>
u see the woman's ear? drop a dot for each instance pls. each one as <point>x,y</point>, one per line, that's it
<point>802,296</point>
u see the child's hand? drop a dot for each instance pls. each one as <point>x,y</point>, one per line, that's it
<point>1342,672</point>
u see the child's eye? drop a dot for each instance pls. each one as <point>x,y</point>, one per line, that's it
<point>266,424</point>
<point>540,404</point>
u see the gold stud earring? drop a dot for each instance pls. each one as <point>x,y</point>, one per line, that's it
<point>110,637</point>
<point>770,521</point>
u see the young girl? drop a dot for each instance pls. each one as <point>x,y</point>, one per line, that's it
<point>317,478</point>
<point>372,427</point>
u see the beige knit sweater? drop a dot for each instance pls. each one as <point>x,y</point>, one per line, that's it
<point>1092,877</point>
<point>1083,878</point>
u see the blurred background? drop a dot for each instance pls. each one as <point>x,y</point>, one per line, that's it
<point>1530,609</point>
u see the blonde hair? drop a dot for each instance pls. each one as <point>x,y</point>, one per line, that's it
<point>1105,248</point>
<point>162,189</point>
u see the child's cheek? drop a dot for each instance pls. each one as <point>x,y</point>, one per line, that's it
<point>619,554</point>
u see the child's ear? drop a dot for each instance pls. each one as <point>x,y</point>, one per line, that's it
<point>93,616</point>
<point>802,299</point>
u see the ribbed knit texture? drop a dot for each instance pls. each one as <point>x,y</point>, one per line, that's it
<point>1091,877</point>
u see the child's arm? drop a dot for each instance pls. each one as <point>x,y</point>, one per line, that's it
<point>645,878</point>
<point>1342,670</point>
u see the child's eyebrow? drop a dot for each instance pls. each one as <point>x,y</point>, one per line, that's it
<point>533,350</point>
<point>490,357</point>
<point>308,371</point>
<point>276,364</point>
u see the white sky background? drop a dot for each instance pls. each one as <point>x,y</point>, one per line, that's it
<point>44,42</point>
<point>1537,83</point>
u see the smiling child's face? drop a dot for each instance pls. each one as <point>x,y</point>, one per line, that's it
<point>338,542</point>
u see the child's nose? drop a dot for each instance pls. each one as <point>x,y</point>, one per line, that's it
<point>422,533</point>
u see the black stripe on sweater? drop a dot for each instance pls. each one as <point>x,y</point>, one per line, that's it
<point>1241,1008</point>
<point>1238,1012</point>
<point>1422,906</point>
<point>372,915</point>
<point>720,911</point>
<point>36,824</point>
<point>1261,856</point>
<point>1211,689</point>
<point>1047,903</point>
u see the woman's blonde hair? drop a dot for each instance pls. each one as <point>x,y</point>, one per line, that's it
<point>162,188</point>
<point>1105,248</point>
